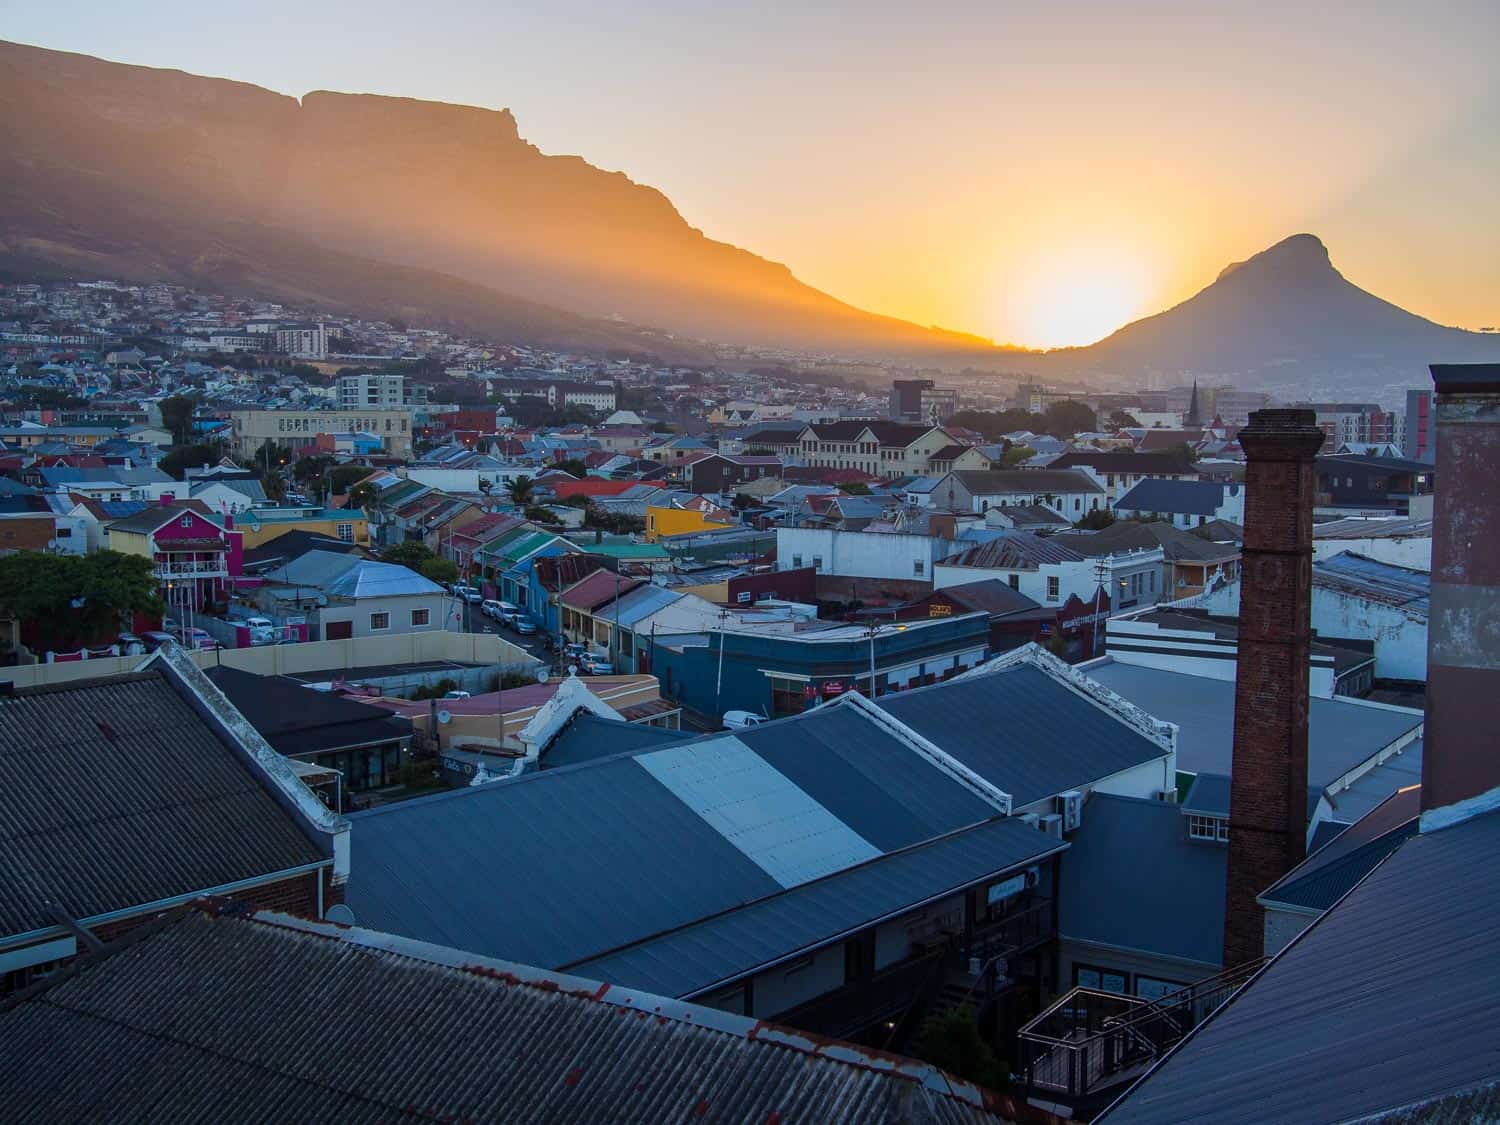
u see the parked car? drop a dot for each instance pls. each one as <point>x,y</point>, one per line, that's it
<point>490,607</point>
<point>468,594</point>
<point>742,720</point>
<point>597,665</point>
<point>456,694</point>
<point>262,632</point>
<point>190,636</point>
<point>155,638</point>
<point>574,651</point>
<point>525,625</point>
<point>130,644</point>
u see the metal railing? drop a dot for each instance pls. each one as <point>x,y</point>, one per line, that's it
<point>1089,1040</point>
<point>191,570</point>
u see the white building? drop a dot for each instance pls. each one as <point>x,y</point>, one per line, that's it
<point>371,389</point>
<point>861,554</point>
<point>1071,493</point>
<point>1049,573</point>
<point>303,341</point>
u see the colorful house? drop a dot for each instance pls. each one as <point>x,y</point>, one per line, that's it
<point>690,517</point>
<point>192,556</point>
<point>261,525</point>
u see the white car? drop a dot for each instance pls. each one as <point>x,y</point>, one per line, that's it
<point>491,608</point>
<point>262,632</point>
<point>742,720</point>
<point>468,594</point>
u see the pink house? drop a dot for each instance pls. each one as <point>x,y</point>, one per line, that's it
<point>193,557</point>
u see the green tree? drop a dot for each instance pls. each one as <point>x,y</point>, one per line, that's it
<point>76,599</point>
<point>1064,419</point>
<point>520,489</point>
<point>177,417</point>
<point>411,554</point>
<point>178,461</point>
<point>1097,520</point>
<point>575,467</point>
<point>1182,451</point>
<point>310,467</point>
<point>1119,419</point>
<point>855,488</point>
<point>439,570</point>
<point>1016,454</point>
<point>993,424</point>
<point>952,1042</point>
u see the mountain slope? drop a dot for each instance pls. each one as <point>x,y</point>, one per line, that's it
<point>103,162</point>
<point>1285,313</point>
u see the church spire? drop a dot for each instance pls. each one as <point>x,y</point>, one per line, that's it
<point>1193,417</point>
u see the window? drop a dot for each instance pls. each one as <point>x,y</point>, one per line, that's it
<point>1014,580</point>
<point>796,560</point>
<point>917,566</point>
<point>1077,504</point>
<point>817,562</point>
<point>1102,980</point>
<point>346,532</point>
<point>1153,988</point>
<point>421,617</point>
<point>788,697</point>
<point>185,521</point>
<point>1151,579</point>
<point>1215,828</point>
<point>1053,587</point>
<point>743,597</point>
<point>380,621</point>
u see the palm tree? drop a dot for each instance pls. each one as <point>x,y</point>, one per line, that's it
<point>520,489</point>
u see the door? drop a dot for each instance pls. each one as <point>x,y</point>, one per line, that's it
<point>338,631</point>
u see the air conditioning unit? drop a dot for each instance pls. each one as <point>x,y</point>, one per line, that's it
<point>1032,819</point>
<point>1070,807</point>
<point>1052,824</point>
<point>1167,795</point>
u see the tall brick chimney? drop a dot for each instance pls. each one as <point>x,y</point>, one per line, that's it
<point>1268,783</point>
<point>1460,757</point>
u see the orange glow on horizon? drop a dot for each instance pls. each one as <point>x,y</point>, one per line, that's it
<point>1081,295</point>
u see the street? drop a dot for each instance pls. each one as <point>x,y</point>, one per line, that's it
<point>475,622</point>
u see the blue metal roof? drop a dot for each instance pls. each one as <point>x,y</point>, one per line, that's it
<point>548,868</point>
<point>696,958</point>
<point>588,737</point>
<point>1133,879</point>
<point>1400,586</point>
<point>639,603</point>
<point>875,783</point>
<point>1023,731</point>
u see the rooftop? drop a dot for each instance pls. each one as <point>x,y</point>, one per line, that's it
<point>1183,497</point>
<point>1014,550</point>
<point>311,1021</point>
<point>1350,573</point>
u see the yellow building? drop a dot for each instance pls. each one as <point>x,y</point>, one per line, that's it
<point>261,525</point>
<point>678,521</point>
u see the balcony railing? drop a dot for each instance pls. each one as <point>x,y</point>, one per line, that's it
<point>191,570</point>
<point>1090,1041</point>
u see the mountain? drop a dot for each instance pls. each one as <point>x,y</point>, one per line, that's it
<point>377,204</point>
<point>1282,318</point>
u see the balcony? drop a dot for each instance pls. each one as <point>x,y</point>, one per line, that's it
<point>174,570</point>
<point>1088,1044</point>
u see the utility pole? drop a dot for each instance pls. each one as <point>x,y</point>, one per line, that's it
<point>719,683</point>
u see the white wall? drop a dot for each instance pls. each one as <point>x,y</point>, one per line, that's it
<point>781,988</point>
<point>893,939</point>
<point>400,609</point>
<point>860,554</point>
<point>1400,637</point>
<point>1413,552</point>
<point>1282,926</point>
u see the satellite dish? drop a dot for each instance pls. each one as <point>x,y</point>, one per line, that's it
<point>541,675</point>
<point>340,914</point>
<point>445,716</point>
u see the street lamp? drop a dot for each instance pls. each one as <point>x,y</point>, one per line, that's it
<point>874,630</point>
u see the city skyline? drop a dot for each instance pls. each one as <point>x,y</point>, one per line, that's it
<point>1003,173</point>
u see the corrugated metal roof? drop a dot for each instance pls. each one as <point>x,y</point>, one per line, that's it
<point>1350,573</point>
<point>1341,734</point>
<point>1324,876</point>
<point>1180,497</point>
<point>1014,550</point>
<point>310,1022</point>
<point>640,602</point>
<point>117,793</point>
<point>588,737</point>
<point>754,806</point>
<point>1386,1001</point>
<point>1023,731</point>
<point>379,580</point>
<point>1133,879</point>
<point>696,958</point>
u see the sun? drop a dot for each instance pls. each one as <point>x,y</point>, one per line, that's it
<point>1073,302</point>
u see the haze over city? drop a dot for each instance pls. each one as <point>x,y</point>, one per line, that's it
<point>1035,175</point>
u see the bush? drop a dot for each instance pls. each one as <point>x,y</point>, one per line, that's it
<point>952,1041</point>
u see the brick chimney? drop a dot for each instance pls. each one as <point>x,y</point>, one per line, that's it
<point>1268,782</point>
<point>1460,760</point>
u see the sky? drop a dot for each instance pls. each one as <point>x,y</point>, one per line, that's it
<point>1036,173</point>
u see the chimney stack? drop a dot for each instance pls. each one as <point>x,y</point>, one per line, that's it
<point>1460,756</point>
<point>1268,778</point>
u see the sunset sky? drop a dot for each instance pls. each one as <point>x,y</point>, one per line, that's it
<point>1037,173</point>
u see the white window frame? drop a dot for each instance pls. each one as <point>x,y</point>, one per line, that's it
<point>374,628</point>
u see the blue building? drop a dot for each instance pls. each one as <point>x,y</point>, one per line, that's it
<point>783,673</point>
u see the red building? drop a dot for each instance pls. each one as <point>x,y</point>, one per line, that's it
<point>193,557</point>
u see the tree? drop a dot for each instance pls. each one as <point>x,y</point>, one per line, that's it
<point>184,457</point>
<point>411,553</point>
<point>574,466</point>
<point>993,424</point>
<point>1182,451</point>
<point>854,488</point>
<point>1119,419</point>
<point>1015,455</point>
<point>344,477</point>
<point>1064,419</point>
<point>520,489</point>
<point>310,467</point>
<point>952,1042</point>
<point>1096,520</point>
<point>177,417</point>
<point>76,599</point>
<point>439,570</point>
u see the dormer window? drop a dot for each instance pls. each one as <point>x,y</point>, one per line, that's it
<point>1211,828</point>
<point>185,521</point>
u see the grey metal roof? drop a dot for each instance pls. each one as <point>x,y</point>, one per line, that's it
<point>1014,550</point>
<point>997,482</point>
<point>876,784</point>
<point>1133,879</point>
<point>1023,731</point>
<point>310,1022</point>
<point>588,737</point>
<point>1350,573</point>
<point>1325,875</point>
<point>1209,794</point>
<point>1184,497</point>
<point>593,856</point>
<point>367,579</point>
<point>1341,733</point>
<point>1354,528</point>
<point>696,958</point>
<point>1386,1001</point>
<point>117,793</point>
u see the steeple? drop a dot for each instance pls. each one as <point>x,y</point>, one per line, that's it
<point>1193,417</point>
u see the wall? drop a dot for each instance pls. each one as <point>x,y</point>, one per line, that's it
<point>299,428</point>
<point>399,608</point>
<point>1412,551</point>
<point>1131,962</point>
<point>276,660</point>
<point>257,532</point>
<point>782,988</point>
<point>1282,926</point>
<point>893,939</point>
<point>676,521</point>
<point>860,554</point>
<point>1400,636</point>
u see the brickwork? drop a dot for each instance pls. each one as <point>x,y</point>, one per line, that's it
<point>1268,787</point>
